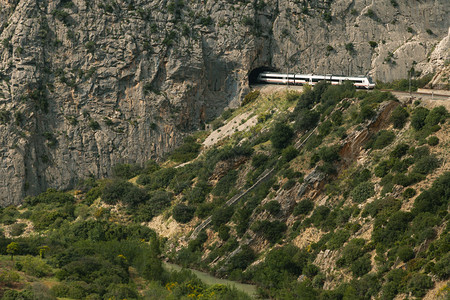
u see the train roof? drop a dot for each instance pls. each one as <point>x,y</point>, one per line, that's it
<point>327,76</point>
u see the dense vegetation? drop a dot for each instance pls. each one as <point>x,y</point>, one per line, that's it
<point>94,244</point>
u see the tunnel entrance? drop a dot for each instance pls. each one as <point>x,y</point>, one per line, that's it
<point>253,75</point>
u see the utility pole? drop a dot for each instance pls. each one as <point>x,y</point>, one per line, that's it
<point>409,77</point>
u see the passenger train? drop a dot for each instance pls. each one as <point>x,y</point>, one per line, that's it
<point>300,79</point>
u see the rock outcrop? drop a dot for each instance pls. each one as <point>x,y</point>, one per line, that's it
<point>88,84</point>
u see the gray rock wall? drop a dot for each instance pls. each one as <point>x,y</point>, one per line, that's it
<point>86,84</point>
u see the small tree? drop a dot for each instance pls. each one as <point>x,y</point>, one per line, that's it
<point>399,117</point>
<point>12,249</point>
<point>281,135</point>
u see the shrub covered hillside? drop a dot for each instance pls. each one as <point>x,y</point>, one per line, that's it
<point>331,193</point>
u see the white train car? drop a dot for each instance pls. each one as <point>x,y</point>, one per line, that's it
<point>300,79</point>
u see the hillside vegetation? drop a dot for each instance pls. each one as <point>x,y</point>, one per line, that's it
<point>332,193</point>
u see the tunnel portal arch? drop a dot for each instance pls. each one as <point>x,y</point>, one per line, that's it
<point>253,74</point>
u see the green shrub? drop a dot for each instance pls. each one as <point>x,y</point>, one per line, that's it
<point>442,267</point>
<point>383,168</point>
<point>409,193</point>
<point>431,199</point>
<point>50,196</point>
<point>289,153</point>
<point>118,190</point>
<point>242,259</point>
<point>436,116</point>
<point>259,160</point>
<point>225,184</point>
<point>419,284</point>
<point>433,140</point>
<point>17,229</point>
<point>183,213</point>
<point>281,135</point>
<point>399,117</point>
<point>227,114</point>
<point>373,44</point>
<point>306,119</point>
<point>418,117</point>
<point>366,113</point>
<point>311,270</point>
<point>362,192</point>
<point>271,231</point>
<point>320,215</point>
<point>198,193</point>
<point>224,232</point>
<point>405,253</point>
<point>221,216</point>
<point>303,207</point>
<point>186,151</point>
<point>250,97</point>
<point>329,154</point>
<point>361,266</point>
<point>400,150</point>
<point>349,47</point>
<point>126,171</point>
<point>381,140</point>
<point>351,252</point>
<point>426,165</point>
<point>273,207</point>
<point>338,239</point>
<point>35,267</point>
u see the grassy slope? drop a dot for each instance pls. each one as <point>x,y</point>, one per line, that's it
<point>326,234</point>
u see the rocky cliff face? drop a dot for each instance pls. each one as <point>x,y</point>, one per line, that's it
<point>87,84</point>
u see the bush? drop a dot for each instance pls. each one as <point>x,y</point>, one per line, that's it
<point>426,165</point>
<point>436,116</point>
<point>362,192</point>
<point>221,216</point>
<point>17,229</point>
<point>419,284</point>
<point>118,190</point>
<point>273,207</point>
<point>382,169</point>
<point>433,140</point>
<point>399,151</point>
<point>329,154</point>
<point>224,232</point>
<point>281,135</point>
<point>250,97</point>
<point>361,266</point>
<point>382,139</point>
<point>183,213</point>
<point>242,259</point>
<point>271,231</point>
<point>35,267</point>
<point>259,160</point>
<point>289,153</point>
<point>225,184</point>
<point>431,199</point>
<point>51,196</point>
<point>306,119</point>
<point>186,151</point>
<point>405,253</point>
<point>409,193</point>
<point>126,171</point>
<point>304,207</point>
<point>418,117</point>
<point>442,267</point>
<point>366,113</point>
<point>351,252</point>
<point>399,117</point>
